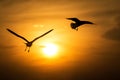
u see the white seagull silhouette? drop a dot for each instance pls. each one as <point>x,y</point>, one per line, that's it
<point>78,23</point>
<point>29,43</point>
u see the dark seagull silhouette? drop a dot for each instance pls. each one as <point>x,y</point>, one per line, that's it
<point>29,43</point>
<point>78,23</point>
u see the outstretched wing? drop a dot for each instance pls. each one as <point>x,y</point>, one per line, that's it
<point>17,35</point>
<point>42,35</point>
<point>88,22</point>
<point>74,19</point>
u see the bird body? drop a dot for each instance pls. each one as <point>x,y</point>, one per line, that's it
<point>78,23</point>
<point>28,43</point>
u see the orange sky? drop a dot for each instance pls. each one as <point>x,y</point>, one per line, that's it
<point>80,52</point>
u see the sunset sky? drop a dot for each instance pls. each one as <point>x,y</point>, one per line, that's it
<point>91,53</point>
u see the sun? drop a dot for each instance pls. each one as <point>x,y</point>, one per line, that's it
<point>50,50</point>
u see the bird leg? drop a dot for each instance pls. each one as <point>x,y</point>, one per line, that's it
<point>26,48</point>
<point>29,49</point>
<point>76,29</point>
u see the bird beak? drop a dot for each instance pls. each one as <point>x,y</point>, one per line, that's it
<point>67,18</point>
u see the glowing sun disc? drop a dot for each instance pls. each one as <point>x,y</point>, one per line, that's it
<point>50,50</point>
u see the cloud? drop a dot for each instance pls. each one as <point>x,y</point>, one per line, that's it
<point>18,72</point>
<point>6,47</point>
<point>114,33</point>
<point>7,3</point>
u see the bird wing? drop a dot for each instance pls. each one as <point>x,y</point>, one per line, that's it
<point>74,19</point>
<point>88,22</point>
<point>17,35</point>
<point>41,35</point>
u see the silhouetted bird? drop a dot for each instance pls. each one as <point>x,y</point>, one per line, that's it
<point>29,43</point>
<point>78,23</point>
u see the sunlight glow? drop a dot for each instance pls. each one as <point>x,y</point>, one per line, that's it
<point>50,50</point>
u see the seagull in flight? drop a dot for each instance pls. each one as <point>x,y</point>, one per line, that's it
<point>78,23</point>
<point>29,43</point>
